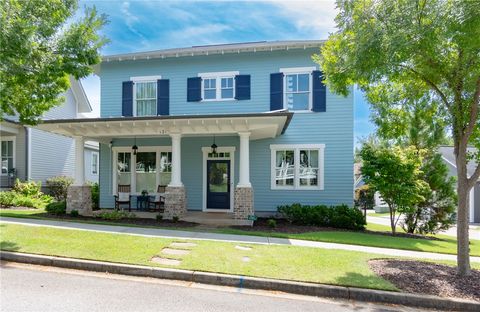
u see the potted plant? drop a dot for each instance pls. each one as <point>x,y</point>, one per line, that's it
<point>144,193</point>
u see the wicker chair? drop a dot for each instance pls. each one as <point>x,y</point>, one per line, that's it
<point>123,197</point>
<point>159,201</point>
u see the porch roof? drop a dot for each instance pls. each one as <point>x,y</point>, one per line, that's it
<point>260,125</point>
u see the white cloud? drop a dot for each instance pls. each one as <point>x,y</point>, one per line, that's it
<point>314,18</point>
<point>202,34</point>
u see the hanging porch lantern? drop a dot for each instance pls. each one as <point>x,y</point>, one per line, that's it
<point>214,146</point>
<point>135,147</point>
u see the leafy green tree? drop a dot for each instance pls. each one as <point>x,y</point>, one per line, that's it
<point>40,47</point>
<point>431,47</point>
<point>395,173</point>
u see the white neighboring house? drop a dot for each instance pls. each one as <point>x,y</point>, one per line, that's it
<point>449,158</point>
<point>37,155</point>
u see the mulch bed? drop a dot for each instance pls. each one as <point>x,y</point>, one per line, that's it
<point>428,278</point>
<point>133,221</point>
<point>284,226</point>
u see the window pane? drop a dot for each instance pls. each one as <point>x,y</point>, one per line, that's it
<point>4,148</point>
<point>4,165</point>
<point>146,174</point>
<point>303,82</point>
<point>210,94</point>
<point>308,167</point>
<point>227,93</point>
<point>298,101</point>
<point>124,178</point>
<point>291,82</point>
<point>146,90</point>
<point>218,177</point>
<point>123,162</point>
<point>146,107</point>
<point>227,82</point>
<point>309,158</point>
<point>285,168</point>
<point>308,176</point>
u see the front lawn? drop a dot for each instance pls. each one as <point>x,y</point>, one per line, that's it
<point>282,262</point>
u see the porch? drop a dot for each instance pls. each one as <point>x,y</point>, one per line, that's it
<point>156,143</point>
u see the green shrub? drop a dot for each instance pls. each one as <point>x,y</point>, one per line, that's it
<point>27,188</point>
<point>57,208</point>
<point>6,198</point>
<point>272,223</point>
<point>340,216</point>
<point>159,217</point>
<point>95,195</point>
<point>74,213</point>
<point>175,219</point>
<point>59,186</point>
<point>114,215</point>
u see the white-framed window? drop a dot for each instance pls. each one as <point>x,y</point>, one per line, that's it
<point>152,166</point>
<point>7,155</point>
<point>145,95</point>
<point>297,86</point>
<point>94,163</point>
<point>218,86</point>
<point>297,166</point>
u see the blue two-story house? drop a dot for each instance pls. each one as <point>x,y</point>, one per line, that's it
<point>235,128</point>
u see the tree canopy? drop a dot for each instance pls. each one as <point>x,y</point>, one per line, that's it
<point>41,45</point>
<point>431,48</point>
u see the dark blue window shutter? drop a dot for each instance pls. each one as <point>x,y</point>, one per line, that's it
<point>242,87</point>
<point>163,97</point>
<point>127,98</point>
<point>319,92</point>
<point>276,91</point>
<point>194,89</point>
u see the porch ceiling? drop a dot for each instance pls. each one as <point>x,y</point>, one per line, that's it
<point>260,125</point>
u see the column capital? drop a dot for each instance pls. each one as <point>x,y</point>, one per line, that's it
<point>176,135</point>
<point>245,134</point>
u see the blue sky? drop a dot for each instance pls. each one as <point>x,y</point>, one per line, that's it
<point>150,25</point>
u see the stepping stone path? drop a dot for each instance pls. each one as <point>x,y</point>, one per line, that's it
<point>243,247</point>
<point>182,244</point>
<point>177,252</point>
<point>166,261</point>
<point>246,259</point>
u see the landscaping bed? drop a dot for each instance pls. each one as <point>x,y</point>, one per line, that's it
<point>428,278</point>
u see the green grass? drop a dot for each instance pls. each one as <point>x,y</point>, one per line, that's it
<point>282,262</point>
<point>446,244</point>
<point>382,214</point>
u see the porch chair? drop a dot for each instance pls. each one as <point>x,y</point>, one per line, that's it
<point>159,200</point>
<point>123,197</point>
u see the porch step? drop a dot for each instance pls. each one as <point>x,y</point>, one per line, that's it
<point>215,218</point>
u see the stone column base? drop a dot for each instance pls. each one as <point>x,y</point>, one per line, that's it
<point>175,202</point>
<point>79,198</point>
<point>243,206</point>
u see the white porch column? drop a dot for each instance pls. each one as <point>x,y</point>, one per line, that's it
<point>244,177</point>
<point>79,161</point>
<point>176,160</point>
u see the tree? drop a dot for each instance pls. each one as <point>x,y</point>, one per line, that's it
<point>41,46</point>
<point>365,198</point>
<point>395,173</point>
<point>431,47</point>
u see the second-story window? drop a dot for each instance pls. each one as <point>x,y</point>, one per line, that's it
<point>146,98</point>
<point>218,86</point>
<point>297,91</point>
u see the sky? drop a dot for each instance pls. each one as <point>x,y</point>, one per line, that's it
<point>156,24</point>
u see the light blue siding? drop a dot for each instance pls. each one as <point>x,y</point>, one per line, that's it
<point>334,128</point>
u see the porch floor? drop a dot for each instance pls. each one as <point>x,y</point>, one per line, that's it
<point>200,217</point>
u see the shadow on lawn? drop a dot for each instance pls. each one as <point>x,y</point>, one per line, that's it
<point>351,279</point>
<point>9,246</point>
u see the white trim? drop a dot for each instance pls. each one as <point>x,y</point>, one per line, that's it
<point>145,78</point>
<point>14,153</point>
<point>223,149</point>
<point>218,85</point>
<point>133,159</point>
<point>296,150</point>
<point>297,70</point>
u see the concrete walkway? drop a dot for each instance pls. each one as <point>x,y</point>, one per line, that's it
<point>151,232</point>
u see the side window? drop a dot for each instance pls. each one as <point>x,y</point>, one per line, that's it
<point>124,168</point>
<point>94,163</point>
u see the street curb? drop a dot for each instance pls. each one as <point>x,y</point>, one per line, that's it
<point>310,289</point>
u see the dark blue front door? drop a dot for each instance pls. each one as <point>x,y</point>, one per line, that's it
<point>218,184</point>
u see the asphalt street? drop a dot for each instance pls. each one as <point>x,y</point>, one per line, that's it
<point>38,288</point>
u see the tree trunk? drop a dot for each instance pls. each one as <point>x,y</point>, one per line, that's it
<point>392,220</point>
<point>463,248</point>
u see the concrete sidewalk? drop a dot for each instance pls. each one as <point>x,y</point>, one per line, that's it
<point>152,232</point>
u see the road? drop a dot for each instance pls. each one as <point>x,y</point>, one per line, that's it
<point>36,288</point>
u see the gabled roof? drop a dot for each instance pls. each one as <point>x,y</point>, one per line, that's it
<point>83,105</point>
<point>217,49</point>
<point>449,156</point>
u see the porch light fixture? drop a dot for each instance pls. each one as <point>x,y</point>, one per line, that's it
<point>135,147</point>
<point>214,146</point>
